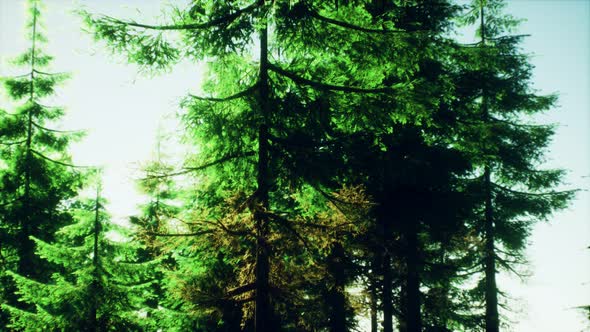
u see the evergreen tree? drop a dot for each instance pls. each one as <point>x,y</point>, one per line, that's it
<point>101,285</point>
<point>37,180</point>
<point>495,94</point>
<point>261,136</point>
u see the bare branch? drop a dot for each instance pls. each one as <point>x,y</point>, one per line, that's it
<point>48,74</point>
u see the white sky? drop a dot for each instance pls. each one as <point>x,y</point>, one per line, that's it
<point>123,110</point>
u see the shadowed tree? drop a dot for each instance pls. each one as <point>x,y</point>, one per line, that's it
<point>495,94</point>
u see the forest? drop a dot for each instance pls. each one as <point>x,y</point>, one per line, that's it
<point>350,160</point>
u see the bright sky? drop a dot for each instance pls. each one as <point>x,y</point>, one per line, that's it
<point>123,111</point>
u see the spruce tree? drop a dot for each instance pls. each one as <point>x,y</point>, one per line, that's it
<point>495,94</point>
<point>37,180</point>
<point>101,284</point>
<point>260,135</point>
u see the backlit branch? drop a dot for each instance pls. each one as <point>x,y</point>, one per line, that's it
<point>187,170</point>
<point>193,26</point>
<point>228,98</point>
<point>58,162</point>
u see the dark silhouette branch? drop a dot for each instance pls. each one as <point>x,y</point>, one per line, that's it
<point>219,224</point>
<point>208,231</point>
<point>48,74</point>
<point>350,26</point>
<point>59,162</point>
<point>13,143</point>
<point>524,193</point>
<point>240,290</point>
<point>55,130</point>
<point>187,170</point>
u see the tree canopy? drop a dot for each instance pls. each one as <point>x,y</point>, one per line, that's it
<point>348,159</point>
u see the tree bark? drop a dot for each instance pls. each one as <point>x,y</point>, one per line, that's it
<point>491,290</point>
<point>387,298</point>
<point>26,249</point>
<point>92,318</point>
<point>373,286</point>
<point>413,295</point>
<point>492,318</point>
<point>336,298</point>
<point>262,313</point>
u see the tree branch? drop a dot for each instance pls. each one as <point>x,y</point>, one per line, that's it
<point>228,98</point>
<point>322,86</point>
<point>55,130</point>
<point>240,290</point>
<point>48,74</point>
<point>524,193</point>
<point>347,25</point>
<point>187,170</point>
<point>59,162</point>
<point>208,231</point>
<point>13,143</point>
<point>193,26</point>
<point>219,224</point>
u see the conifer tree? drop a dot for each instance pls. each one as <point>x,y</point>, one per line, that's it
<point>101,285</point>
<point>270,118</point>
<point>496,99</point>
<point>396,156</point>
<point>37,179</point>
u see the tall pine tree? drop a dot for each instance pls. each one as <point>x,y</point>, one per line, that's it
<point>276,102</point>
<point>37,180</point>
<point>495,94</point>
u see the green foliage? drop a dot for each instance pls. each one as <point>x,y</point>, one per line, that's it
<point>339,144</point>
<point>37,180</point>
<point>495,99</point>
<point>101,285</point>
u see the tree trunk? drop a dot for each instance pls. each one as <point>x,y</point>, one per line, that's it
<point>26,250</point>
<point>262,313</point>
<point>413,315</point>
<point>373,292</point>
<point>92,318</point>
<point>491,290</point>
<point>336,298</point>
<point>387,293</point>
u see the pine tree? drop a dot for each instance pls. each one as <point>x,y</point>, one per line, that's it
<point>396,157</point>
<point>260,137</point>
<point>497,99</point>
<point>101,285</point>
<point>37,180</point>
